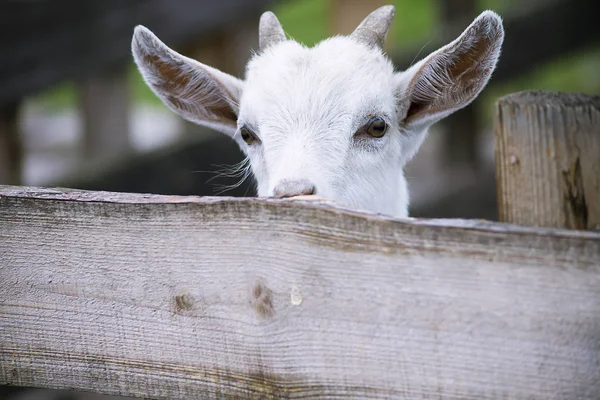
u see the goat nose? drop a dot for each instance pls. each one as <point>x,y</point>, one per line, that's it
<point>296,187</point>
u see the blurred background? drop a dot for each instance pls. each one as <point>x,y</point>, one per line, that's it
<point>75,112</point>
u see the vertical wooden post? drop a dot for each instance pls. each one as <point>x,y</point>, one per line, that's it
<point>11,149</point>
<point>548,159</point>
<point>104,102</point>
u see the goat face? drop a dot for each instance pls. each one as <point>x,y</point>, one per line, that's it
<point>334,120</point>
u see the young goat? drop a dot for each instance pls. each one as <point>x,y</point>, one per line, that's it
<point>334,120</point>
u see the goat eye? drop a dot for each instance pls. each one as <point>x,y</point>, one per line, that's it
<point>248,136</point>
<point>376,127</point>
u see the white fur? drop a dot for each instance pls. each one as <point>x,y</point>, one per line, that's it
<point>306,104</point>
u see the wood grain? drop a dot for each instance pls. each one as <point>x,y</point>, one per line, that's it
<point>170,297</point>
<point>548,159</point>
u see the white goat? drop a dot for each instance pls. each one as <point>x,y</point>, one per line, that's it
<point>334,120</point>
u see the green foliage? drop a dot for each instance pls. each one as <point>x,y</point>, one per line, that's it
<point>414,23</point>
<point>574,73</point>
<point>307,21</point>
<point>57,98</point>
<point>140,92</point>
<point>571,73</point>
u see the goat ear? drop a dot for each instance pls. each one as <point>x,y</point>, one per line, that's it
<point>453,76</point>
<point>195,91</point>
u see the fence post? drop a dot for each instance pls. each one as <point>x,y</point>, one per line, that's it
<point>548,159</point>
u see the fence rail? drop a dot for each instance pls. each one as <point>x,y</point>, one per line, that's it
<point>182,297</point>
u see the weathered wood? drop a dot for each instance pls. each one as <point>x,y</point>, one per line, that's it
<point>11,147</point>
<point>548,159</point>
<point>104,105</point>
<point>182,297</point>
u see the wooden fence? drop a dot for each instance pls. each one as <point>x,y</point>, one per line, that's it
<point>172,297</point>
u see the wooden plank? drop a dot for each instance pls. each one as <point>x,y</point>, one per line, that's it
<point>11,147</point>
<point>104,105</point>
<point>181,297</point>
<point>548,159</point>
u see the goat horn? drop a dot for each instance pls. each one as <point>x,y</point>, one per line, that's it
<point>270,31</point>
<point>373,30</point>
